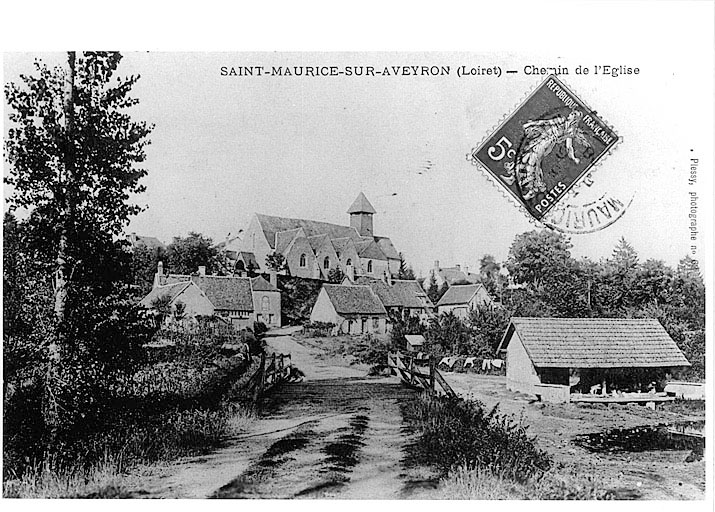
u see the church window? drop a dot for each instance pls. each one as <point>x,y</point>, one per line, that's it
<point>265,304</point>
<point>302,260</point>
<point>349,262</point>
<point>326,262</point>
<point>369,266</point>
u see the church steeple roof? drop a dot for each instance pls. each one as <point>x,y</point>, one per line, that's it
<point>361,205</point>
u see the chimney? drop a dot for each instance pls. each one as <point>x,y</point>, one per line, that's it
<point>466,270</point>
<point>457,267</point>
<point>202,270</point>
<point>350,272</point>
<point>159,274</point>
<point>387,278</point>
<point>273,276</point>
<point>436,265</point>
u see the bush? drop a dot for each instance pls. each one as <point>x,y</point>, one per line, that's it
<point>456,432</point>
<point>259,329</point>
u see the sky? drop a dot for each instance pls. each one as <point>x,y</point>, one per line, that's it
<point>226,147</point>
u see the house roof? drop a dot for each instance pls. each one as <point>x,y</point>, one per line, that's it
<point>415,339</point>
<point>171,290</point>
<point>354,300</point>
<point>409,292</point>
<point>595,342</point>
<point>384,292</point>
<point>454,275</point>
<point>459,294</point>
<point>259,284</point>
<point>228,293</point>
<point>150,242</point>
<point>361,205</point>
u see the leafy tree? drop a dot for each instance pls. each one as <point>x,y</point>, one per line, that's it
<point>538,255</point>
<point>489,274</point>
<point>185,255</point>
<point>277,262</point>
<point>162,306</point>
<point>489,322</point>
<point>73,152</point>
<point>335,275</point>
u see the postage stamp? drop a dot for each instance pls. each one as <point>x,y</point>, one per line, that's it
<point>551,141</point>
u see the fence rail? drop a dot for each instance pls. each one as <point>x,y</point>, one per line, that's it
<point>409,369</point>
<point>272,370</point>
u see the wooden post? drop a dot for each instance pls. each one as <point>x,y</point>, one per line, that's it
<point>431,374</point>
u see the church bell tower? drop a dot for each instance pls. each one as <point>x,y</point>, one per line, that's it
<point>361,213</point>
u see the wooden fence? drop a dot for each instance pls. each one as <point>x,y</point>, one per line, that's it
<point>272,370</point>
<point>410,370</point>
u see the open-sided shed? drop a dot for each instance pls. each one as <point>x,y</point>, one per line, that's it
<point>552,357</point>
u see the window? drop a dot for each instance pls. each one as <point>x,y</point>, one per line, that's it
<point>326,262</point>
<point>375,323</point>
<point>337,253</point>
<point>349,262</point>
<point>369,266</point>
<point>265,304</point>
<point>302,260</point>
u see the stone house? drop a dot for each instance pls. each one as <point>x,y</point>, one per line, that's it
<point>240,301</point>
<point>401,297</point>
<point>313,248</point>
<point>451,275</point>
<point>462,298</point>
<point>352,309</point>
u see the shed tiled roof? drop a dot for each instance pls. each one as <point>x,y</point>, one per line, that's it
<point>171,290</point>
<point>454,275</point>
<point>595,342</point>
<point>459,294</point>
<point>354,300</point>
<point>415,340</point>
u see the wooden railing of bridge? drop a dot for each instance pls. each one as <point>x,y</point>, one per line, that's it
<point>272,370</point>
<point>410,370</point>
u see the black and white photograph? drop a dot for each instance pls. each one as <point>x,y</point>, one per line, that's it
<point>428,273</point>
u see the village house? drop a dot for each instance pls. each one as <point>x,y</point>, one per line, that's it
<point>460,299</point>
<point>352,309</point>
<point>400,297</point>
<point>240,301</point>
<point>451,275</point>
<point>561,359</point>
<point>312,248</point>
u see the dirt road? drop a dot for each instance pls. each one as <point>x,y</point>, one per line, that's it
<point>337,434</point>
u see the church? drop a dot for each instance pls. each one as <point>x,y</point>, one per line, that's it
<point>312,248</point>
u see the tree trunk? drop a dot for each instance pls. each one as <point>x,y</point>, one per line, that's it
<point>62,272</point>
